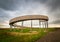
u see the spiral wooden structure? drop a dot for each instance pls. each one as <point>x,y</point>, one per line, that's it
<point>41,18</point>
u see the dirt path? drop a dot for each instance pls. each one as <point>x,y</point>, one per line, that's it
<point>51,37</point>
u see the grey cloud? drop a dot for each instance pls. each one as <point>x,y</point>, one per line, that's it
<point>15,4</point>
<point>55,22</point>
<point>3,16</point>
<point>9,4</point>
<point>35,0</point>
<point>42,1</point>
<point>53,7</point>
<point>53,4</point>
<point>54,10</point>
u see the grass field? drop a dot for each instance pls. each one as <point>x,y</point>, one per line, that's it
<point>25,35</point>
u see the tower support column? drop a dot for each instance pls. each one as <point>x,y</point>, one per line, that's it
<point>10,26</point>
<point>47,24</point>
<point>39,24</point>
<point>31,23</point>
<point>22,24</point>
<point>31,26</point>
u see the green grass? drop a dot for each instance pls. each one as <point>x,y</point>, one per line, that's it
<point>5,37</point>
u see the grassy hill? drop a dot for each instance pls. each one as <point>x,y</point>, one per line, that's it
<point>23,35</point>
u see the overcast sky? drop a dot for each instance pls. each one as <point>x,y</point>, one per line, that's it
<point>14,8</point>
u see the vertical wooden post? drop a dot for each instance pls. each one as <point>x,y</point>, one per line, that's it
<point>10,26</point>
<point>22,24</point>
<point>47,24</point>
<point>31,26</point>
<point>43,24</point>
<point>39,24</point>
<point>31,23</point>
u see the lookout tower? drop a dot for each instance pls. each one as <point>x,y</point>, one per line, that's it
<point>41,18</point>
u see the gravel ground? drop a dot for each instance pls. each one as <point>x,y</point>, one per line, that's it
<point>51,37</point>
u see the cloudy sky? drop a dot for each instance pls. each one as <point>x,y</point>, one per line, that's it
<point>14,8</point>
